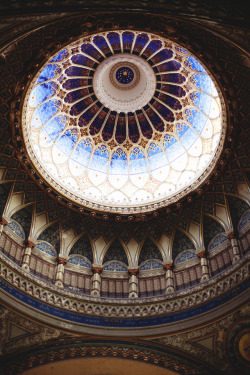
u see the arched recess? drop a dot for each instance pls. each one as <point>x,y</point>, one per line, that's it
<point>24,218</point>
<point>82,246</point>
<point>52,235</point>
<point>115,252</point>
<point>148,251</point>
<point>237,208</point>
<point>181,242</point>
<point>211,228</point>
<point>5,191</point>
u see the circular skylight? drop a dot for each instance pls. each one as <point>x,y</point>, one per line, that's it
<point>124,121</point>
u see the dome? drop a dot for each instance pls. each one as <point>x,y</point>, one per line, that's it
<point>124,121</point>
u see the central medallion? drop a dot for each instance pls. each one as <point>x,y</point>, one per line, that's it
<point>124,83</point>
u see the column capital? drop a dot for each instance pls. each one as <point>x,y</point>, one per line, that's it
<point>97,269</point>
<point>133,271</point>
<point>168,266</point>
<point>61,260</point>
<point>201,255</point>
<point>231,236</point>
<point>30,244</point>
<point>3,221</point>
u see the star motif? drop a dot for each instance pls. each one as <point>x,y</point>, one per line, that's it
<point>169,128</point>
<point>84,132</point>
<point>157,137</point>
<point>97,140</point>
<point>127,145</point>
<point>143,143</point>
<point>185,102</point>
<point>179,116</point>
<point>112,144</point>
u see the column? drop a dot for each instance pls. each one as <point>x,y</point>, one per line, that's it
<point>27,255</point>
<point>133,283</point>
<point>235,246</point>
<point>60,271</point>
<point>3,223</point>
<point>96,281</point>
<point>169,278</point>
<point>204,266</point>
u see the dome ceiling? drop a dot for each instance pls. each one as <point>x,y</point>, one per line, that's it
<point>124,121</point>
<point>152,272</point>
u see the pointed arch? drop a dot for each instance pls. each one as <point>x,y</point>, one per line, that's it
<point>5,191</point>
<point>82,246</point>
<point>116,251</point>
<point>181,242</point>
<point>23,217</point>
<point>52,235</point>
<point>211,228</point>
<point>237,208</point>
<point>149,250</point>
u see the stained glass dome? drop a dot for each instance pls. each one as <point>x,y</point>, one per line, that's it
<point>124,121</point>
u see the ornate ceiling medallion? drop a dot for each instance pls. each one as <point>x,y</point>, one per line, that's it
<point>124,122</point>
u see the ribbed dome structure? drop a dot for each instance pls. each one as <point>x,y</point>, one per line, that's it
<point>124,120</point>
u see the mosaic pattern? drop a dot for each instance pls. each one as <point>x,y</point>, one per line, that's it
<point>217,241</point>
<point>79,261</point>
<point>122,160</point>
<point>245,220</point>
<point>150,265</point>
<point>46,247</point>
<point>184,256</point>
<point>115,266</point>
<point>17,229</point>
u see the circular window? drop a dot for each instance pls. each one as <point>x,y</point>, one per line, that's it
<point>124,121</point>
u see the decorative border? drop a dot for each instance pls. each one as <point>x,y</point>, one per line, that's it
<point>129,314</point>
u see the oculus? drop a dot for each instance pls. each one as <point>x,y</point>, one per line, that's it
<point>124,121</point>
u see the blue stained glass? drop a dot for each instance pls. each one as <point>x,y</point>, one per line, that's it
<point>174,151</point>
<point>75,71</point>
<point>119,163</point>
<point>90,50</point>
<point>82,60</point>
<point>163,55</point>
<point>137,153</point>
<point>169,66</point>
<point>47,110</point>
<point>181,128</point>
<point>99,163</point>
<point>204,102</point>
<point>54,127</point>
<point>204,83</point>
<point>188,138</point>
<point>154,149</point>
<point>42,92</point>
<point>138,162</point>
<point>50,71</point>
<point>102,44</point>
<point>127,39</point>
<point>82,152</point>
<point>197,119</point>
<point>79,261</point>
<point>156,161</point>
<point>66,143</point>
<point>73,83</point>
<point>102,151</point>
<point>46,247</point>
<point>192,63</point>
<point>169,140</point>
<point>114,40</point>
<point>119,154</point>
<point>61,55</point>
<point>152,47</point>
<point>141,41</point>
